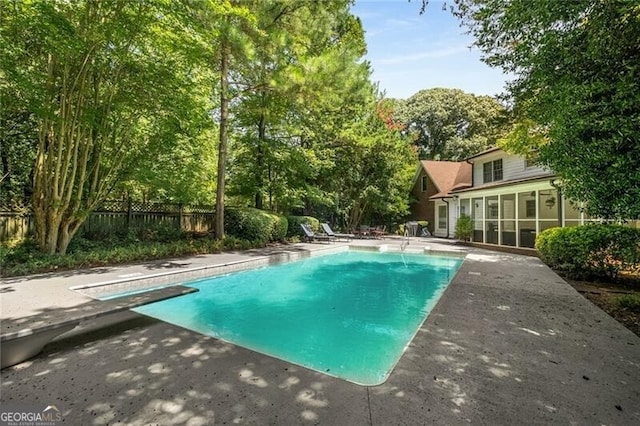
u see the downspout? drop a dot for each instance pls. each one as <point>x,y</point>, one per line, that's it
<point>472,174</point>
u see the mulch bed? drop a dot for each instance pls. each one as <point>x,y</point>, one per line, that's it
<point>606,295</point>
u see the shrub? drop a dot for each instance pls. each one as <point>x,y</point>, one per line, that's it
<point>464,228</point>
<point>630,302</point>
<point>26,259</point>
<point>280,228</point>
<point>590,251</point>
<point>254,224</point>
<point>295,222</point>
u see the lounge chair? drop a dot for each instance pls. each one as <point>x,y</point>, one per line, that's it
<point>327,230</point>
<point>311,236</point>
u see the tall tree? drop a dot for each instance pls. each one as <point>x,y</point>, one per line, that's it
<point>102,79</point>
<point>373,167</point>
<point>449,124</point>
<point>223,29</point>
<point>306,75</point>
<point>577,90</point>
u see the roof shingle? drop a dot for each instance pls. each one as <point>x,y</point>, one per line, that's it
<point>448,175</point>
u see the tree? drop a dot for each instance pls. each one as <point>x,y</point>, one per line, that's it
<point>576,91</point>
<point>222,29</point>
<point>103,80</point>
<point>303,81</point>
<point>449,124</point>
<point>372,169</point>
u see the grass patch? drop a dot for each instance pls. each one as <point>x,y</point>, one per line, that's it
<point>630,302</point>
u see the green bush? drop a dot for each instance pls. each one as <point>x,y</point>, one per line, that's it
<point>26,259</point>
<point>295,222</point>
<point>280,228</point>
<point>591,251</point>
<point>630,302</point>
<point>254,225</point>
<point>464,228</point>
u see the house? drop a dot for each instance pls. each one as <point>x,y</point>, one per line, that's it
<point>510,199</point>
<point>432,186</point>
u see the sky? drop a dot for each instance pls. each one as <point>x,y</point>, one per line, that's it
<point>409,52</point>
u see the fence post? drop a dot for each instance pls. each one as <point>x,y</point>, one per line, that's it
<point>129,214</point>
<point>180,214</point>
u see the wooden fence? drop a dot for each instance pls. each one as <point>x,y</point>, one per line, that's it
<point>118,216</point>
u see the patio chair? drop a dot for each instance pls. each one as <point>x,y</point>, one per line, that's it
<point>379,231</point>
<point>311,236</point>
<point>327,230</point>
<point>363,231</point>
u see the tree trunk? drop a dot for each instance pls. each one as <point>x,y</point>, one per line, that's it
<point>222,147</point>
<point>64,238</point>
<point>260,162</point>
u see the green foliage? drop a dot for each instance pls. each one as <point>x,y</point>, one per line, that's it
<point>280,227</point>
<point>449,124</point>
<point>107,83</point>
<point>630,302</point>
<point>123,101</point>
<point>27,259</point>
<point>577,69</point>
<point>464,228</point>
<point>305,81</point>
<point>591,251</point>
<point>255,225</point>
<point>372,167</point>
<point>296,221</point>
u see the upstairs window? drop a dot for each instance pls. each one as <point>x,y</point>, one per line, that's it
<point>492,171</point>
<point>424,183</point>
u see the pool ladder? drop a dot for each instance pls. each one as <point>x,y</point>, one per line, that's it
<point>403,245</point>
<point>405,240</point>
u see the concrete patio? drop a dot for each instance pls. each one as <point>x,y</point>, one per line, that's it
<point>508,343</point>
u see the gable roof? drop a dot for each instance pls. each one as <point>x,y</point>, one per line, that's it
<point>447,175</point>
<point>486,151</point>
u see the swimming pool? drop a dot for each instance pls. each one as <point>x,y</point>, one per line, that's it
<point>349,314</point>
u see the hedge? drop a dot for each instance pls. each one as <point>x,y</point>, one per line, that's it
<point>295,221</point>
<point>255,225</point>
<point>590,251</point>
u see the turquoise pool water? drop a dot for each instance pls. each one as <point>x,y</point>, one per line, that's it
<point>349,315</point>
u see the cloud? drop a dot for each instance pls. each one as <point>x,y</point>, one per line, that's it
<point>412,57</point>
<point>393,22</point>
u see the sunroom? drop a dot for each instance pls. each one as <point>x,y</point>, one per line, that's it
<point>514,213</point>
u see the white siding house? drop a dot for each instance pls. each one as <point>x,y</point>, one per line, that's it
<point>511,200</point>
<point>513,167</point>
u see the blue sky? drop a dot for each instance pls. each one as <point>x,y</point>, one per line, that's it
<point>410,52</point>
